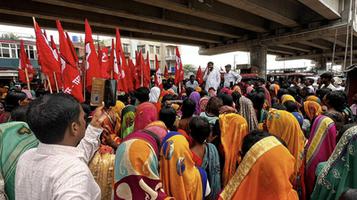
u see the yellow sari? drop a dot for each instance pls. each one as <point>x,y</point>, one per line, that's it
<point>287,97</point>
<point>284,125</point>
<point>263,174</point>
<point>312,109</point>
<point>233,129</point>
<point>180,177</point>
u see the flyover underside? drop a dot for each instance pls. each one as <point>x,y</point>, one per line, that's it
<point>290,29</point>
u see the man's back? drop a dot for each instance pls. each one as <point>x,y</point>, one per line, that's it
<point>54,172</point>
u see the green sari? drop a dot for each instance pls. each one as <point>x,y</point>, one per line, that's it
<point>15,139</point>
<point>127,124</point>
<point>339,172</point>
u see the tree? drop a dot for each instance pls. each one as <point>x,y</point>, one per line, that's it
<point>189,69</point>
<point>9,36</point>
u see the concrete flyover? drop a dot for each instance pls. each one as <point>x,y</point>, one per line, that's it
<point>290,29</point>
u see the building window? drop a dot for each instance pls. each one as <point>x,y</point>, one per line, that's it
<point>151,49</point>
<point>142,48</point>
<point>126,48</point>
<point>157,50</point>
<point>170,51</point>
<point>5,50</point>
<point>13,51</point>
<point>152,66</point>
<point>31,53</point>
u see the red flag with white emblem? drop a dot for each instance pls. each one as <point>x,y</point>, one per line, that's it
<point>25,66</point>
<point>92,63</point>
<point>158,78</point>
<point>71,76</point>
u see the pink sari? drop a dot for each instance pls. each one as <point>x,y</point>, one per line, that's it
<point>145,114</point>
<point>322,142</point>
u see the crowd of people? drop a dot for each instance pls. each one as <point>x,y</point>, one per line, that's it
<point>223,139</point>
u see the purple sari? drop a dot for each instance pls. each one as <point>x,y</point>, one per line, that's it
<point>195,97</point>
<point>322,142</point>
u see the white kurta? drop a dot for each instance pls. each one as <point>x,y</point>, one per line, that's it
<point>58,172</point>
<point>213,79</point>
<point>231,76</point>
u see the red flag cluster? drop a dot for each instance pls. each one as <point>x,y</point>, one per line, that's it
<point>62,70</point>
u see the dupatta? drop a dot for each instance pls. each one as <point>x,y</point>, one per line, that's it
<point>264,173</point>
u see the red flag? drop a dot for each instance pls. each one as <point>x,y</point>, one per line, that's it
<point>179,74</point>
<point>158,79</point>
<point>166,73</point>
<point>147,77</point>
<point>25,64</point>
<point>72,48</point>
<point>104,62</point>
<point>71,75</point>
<point>133,76</point>
<point>199,76</point>
<point>122,86</point>
<point>49,58</point>
<point>58,74</point>
<point>92,63</point>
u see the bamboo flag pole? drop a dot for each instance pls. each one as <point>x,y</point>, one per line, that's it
<point>84,74</point>
<point>56,83</point>
<point>49,84</point>
<point>27,79</point>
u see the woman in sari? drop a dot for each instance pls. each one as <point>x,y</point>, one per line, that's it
<point>195,97</point>
<point>247,111</point>
<point>144,115</point>
<point>181,178</point>
<point>233,129</point>
<point>205,154</point>
<point>137,165</point>
<point>313,98</point>
<point>285,126</point>
<point>264,172</point>
<point>321,143</point>
<point>15,139</point>
<point>339,173</point>
<point>128,117</point>
<point>154,97</point>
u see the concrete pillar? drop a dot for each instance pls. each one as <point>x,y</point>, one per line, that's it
<point>258,60</point>
<point>321,64</point>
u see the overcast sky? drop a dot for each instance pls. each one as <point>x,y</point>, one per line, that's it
<point>189,54</point>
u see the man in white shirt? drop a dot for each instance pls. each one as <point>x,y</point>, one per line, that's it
<point>231,77</point>
<point>326,79</point>
<point>192,83</point>
<point>212,77</point>
<point>57,168</point>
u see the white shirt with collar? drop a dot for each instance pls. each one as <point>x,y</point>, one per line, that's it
<point>58,172</point>
<point>191,85</point>
<point>213,79</point>
<point>231,76</point>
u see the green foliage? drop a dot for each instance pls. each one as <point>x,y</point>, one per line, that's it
<point>9,36</point>
<point>189,69</point>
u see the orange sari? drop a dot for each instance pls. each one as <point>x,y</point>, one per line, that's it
<point>233,129</point>
<point>263,174</point>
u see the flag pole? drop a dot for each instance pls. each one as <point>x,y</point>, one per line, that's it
<point>49,84</point>
<point>84,76</point>
<point>27,79</point>
<point>55,78</point>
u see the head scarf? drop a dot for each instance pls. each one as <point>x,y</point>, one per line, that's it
<point>154,95</point>
<point>321,143</point>
<point>227,109</point>
<point>313,98</point>
<point>137,167</point>
<point>339,173</point>
<point>128,117</point>
<point>157,127</point>
<point>236,88</point>
<point>195,97</point>
<point>274,88</point>
<point>247,111</point>
<point>233,129</point>
<point>312,109</point>
<point>226,90</point>
<point>263,173</point>
<point>203,103</point>
<point>267,96</point>
<point>145,114</point>
<point>287,97</point>
<point>284,125</point>
<point>198,89</point>
<point>181,178</point>
<point>211,165</point>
